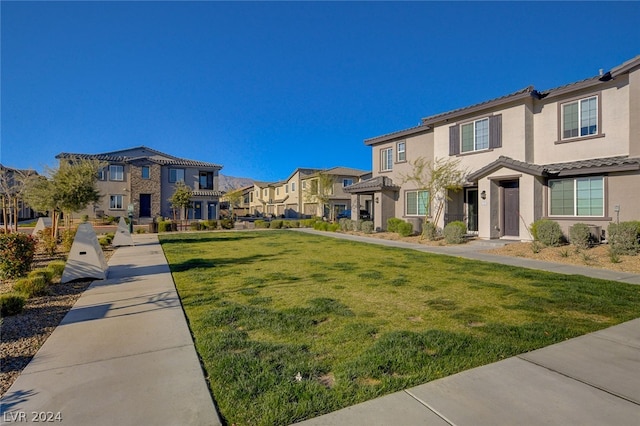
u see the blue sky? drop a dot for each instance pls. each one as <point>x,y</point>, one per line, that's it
<point>265,87</point>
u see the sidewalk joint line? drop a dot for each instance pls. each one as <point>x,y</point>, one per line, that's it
<point>436,412</point>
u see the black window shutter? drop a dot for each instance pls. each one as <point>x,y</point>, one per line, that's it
<point>495,131</point>
<point>454,140</point>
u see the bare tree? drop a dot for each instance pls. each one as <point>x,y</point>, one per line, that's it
<point>320,190</point>
<point>438,177</point>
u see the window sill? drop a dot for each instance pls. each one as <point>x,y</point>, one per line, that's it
<point>463,154</point>
<point>580,139</point>
<point>581,218</point>
<point>386,171</point>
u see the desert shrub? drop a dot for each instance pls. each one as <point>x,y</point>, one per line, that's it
<point>47,243</point>
<point>140,231</point>
<point>321,226</point>
<point>57,268</point>
<point>308,223</point>
<point>366,226</point>
<point>405,229</point>
<point>31,287</point>
<point>346,224</point>
<point>211,224</point>
<point>548,232</point>
<point>580,236</point>
<point>429,231</point>
<point>393,223</point>
<point>11,304</point>
<point>85,218</point>
<point>623,237</point>
<point>16,254</point>
<point>165,226</point>
<point>226,223</point>
<point>333,227</point>
<point>45,273</point>
<point>276,224</point>
<point>68,236</point>
<point>261,224</point>
<point>291,224</point>
<point>194,226</point>
<point>454,232</point>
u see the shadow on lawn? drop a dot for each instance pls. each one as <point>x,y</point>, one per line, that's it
<point>196,238</point>
<point>218,262</point>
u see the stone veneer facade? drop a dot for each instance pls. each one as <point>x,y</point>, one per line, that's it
<point>146,186</point>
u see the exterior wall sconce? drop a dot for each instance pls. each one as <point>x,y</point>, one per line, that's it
<point>483,195</point>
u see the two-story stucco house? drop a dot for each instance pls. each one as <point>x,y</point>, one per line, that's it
<point>571,154</point>
<point>143,179</point>
<point>338,200</point>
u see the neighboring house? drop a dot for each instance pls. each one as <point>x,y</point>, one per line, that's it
<point>571,154</point>
<point>143,179</point>
<point>241,206</point>
<point>10,191</point>
<point>337,200</point>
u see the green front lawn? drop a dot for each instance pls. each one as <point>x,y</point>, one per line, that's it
<point>357,321</point>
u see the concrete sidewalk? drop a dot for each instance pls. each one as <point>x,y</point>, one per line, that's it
<point>122,356</point>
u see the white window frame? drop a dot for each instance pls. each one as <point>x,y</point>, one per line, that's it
<point>175,178</point>
<point>116,202</point>
<point>578,103</point>
<point>102,174</point>
<point>116,172</point>
<point>416,194</point>
<point>475,135</point>
<point>401,151</point>
<point>386,159</point>
<point>575,196</point>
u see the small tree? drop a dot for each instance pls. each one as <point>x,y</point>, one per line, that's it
<point>320,190</point>
<point>181,199</point>
<point>234,197</point>
<point>438,177</point>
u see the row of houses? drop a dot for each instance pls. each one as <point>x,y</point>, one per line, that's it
<point>571,154</point>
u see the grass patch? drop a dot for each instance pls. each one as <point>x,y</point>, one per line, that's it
<point>286,335</point>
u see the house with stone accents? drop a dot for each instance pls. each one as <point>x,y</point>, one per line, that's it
<point>142,180</point>
<point>570,154</point>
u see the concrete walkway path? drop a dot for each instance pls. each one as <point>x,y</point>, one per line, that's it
<point>122,356</point>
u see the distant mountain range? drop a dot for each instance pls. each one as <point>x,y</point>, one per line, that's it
<point>226,183</point>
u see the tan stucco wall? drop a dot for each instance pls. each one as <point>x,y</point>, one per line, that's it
<point>634,111</point>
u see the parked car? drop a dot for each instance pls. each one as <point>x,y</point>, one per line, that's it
<point>364,215</point>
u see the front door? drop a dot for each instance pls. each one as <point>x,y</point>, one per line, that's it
<point>212,210</point>
<point>472,209</point>
<point>511,213</point>
<point>145,205</point>
<point>197,210</point>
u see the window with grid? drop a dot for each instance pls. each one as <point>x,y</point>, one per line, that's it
<point>386,162</point>
<point>402,151</point>
<point>417,203</point>
<point>580,118</point>
<point>116,172</point>
<point>577,197</point>
<point>115,202</point>
<point>475,135</point>
<point>176,175</point>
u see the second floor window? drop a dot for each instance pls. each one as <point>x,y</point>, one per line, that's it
<point>146,172</point>
<point>386,160</point>
<point>102,174</point>
<point>293,187</point>
<point>176,175</point>
<point>475,135</point>
<point>580,118</point>
<point>116,172</point>
<point>402,152</point>
<point>347,182</point>
<point>206,180</point>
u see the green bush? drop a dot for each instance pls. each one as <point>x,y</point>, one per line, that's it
<point>11,304</point>
<point>580,236</point>
<point>211,224</point>
<point>623,237</point>
<point>31,287</point>
<point>405,229</point>
<point>68,236</point>
<point>345,224</point>
<point>16,254</point>
<point>454,232</point>
<point>85,218</point>
<point>226,223</point>
<point>367,227</point>
<point>309,223</point>
<point>57,268</point>
<point>276,224</point>
<point>261,224</point>
<point>393,223</point>
<point>194,226</point>
<point>165,226</point>
<point>430,231</point>
<point>45,273</point>
<point>548,232</point>
<point>333,227</point>
<point>291,224</point>
<point>47,243</point>
<point>321,226</point>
